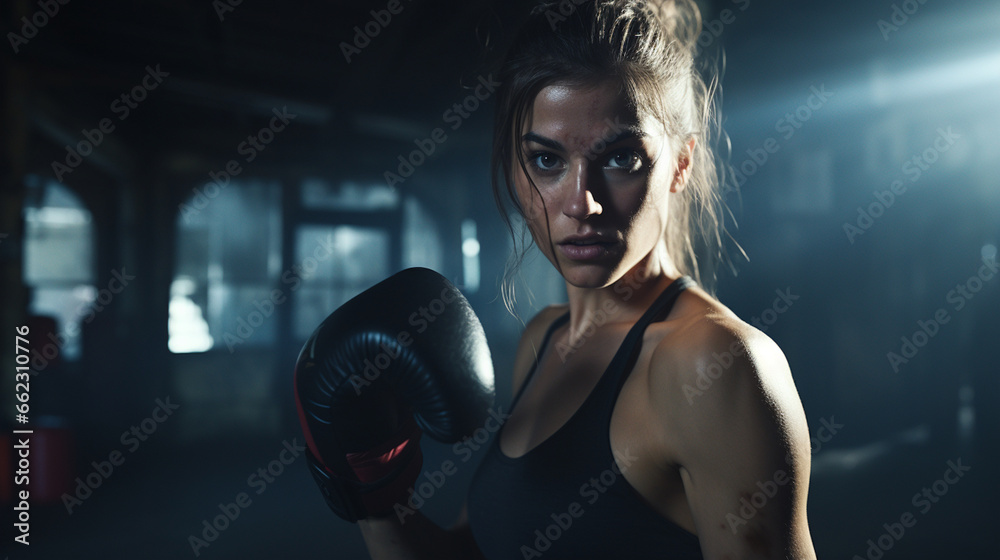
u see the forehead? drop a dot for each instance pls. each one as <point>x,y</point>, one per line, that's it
<point>580,115</point>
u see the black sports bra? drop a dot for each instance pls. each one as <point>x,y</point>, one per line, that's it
<point>566,498</point>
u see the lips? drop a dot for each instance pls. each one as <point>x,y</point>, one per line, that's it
<point>587,239</point>
<point>586,247</point>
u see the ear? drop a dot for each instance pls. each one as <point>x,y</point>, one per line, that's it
<point>683,170</point>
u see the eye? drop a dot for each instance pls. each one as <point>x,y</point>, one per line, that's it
<point>626,160</point>
<point>544,161</point>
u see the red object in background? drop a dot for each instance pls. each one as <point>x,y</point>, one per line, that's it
<point>51,445</point>
<point>53,464</point>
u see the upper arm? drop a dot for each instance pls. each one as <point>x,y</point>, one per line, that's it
<point>531,342</point>
<point>739,435</point>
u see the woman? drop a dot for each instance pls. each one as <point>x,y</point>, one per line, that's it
<point>649,420</point>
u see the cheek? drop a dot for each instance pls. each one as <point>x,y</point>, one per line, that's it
<point>529,198</point>
<point>659,195</point>
<point>649,212</point>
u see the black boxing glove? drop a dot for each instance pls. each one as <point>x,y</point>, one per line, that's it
<point>404,357</point>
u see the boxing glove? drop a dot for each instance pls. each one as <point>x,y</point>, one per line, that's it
<point>405,357</point>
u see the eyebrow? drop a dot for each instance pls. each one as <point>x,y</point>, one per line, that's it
<point>626,133</point>
<point>538,139</point>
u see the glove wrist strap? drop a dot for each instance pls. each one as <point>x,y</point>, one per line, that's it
<point>383,476</point>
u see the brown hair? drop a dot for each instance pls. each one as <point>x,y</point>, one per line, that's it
<point>650,47</point>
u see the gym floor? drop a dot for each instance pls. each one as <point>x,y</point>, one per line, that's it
<point>153,503</point>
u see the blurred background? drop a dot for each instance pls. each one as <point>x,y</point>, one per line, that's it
<point>190,187</point>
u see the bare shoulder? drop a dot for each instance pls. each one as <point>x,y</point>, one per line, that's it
<point>721,387</point>
<point>713,357</point>
<point>730,417</point>
<point>531,341</point>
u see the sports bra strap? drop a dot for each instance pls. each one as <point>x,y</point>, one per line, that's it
<point>661,306</point>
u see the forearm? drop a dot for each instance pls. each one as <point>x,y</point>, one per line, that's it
<point>417,538</point>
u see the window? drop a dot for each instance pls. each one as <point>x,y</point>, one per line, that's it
<point>344,239</point>
<point>228,261</point>
<point>59,260</point>
<point>350,196</point>
<point>334,264</point>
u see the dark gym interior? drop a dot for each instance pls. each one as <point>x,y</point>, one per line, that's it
<point>189,187</point>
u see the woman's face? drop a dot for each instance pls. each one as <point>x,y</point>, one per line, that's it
<point>606,174</point>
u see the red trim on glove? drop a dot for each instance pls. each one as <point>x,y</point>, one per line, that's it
<point>381,461</point>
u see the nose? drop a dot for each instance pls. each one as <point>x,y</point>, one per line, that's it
<point>579,202</point>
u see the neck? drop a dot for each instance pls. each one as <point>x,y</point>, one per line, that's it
<point>623,301</point>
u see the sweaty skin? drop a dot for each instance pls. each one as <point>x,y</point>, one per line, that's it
<point>709,421</point>
<point>701,456</point>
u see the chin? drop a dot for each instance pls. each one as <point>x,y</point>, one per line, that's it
<point>589,276</point>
